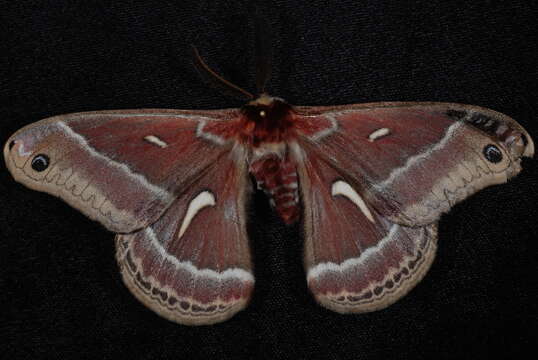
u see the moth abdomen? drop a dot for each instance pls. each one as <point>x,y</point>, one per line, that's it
<point>277,177</point>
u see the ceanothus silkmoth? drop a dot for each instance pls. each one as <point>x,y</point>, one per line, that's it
<point>368,182</point>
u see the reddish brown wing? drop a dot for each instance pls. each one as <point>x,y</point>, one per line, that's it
<point>193,265</point>
<point>416,160</point>
<point>121,168</point>
<point>182,189</point>
<point>356,260</point>
<point>375,179</point>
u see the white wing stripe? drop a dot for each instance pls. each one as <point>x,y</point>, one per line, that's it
<point>163,194</point>
<point>413,160</point>
<point>231,273</point>
<point>322,268</point>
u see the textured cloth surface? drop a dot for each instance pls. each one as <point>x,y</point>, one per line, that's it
<point>60,287</point>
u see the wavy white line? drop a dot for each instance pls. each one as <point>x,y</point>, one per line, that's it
<point>321,268</point>
<point>419,157</point>
<point>209,136</point>
<point>325,132</point>
<point>166,196</point>
<point>231,273</point>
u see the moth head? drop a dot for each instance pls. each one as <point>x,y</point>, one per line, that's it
<point>266,120</point>
<point>266,108</point>
<point>32,151</point>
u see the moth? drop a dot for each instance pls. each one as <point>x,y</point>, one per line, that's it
<point>368,183</point>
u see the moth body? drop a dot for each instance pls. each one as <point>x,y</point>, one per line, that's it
<point>266,129</point>
<point>277,177</point>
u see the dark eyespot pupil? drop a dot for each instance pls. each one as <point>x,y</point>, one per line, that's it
<point>493,154</point>
<point>40,162</point>
<point>11,144</point>
<point>525,140</point>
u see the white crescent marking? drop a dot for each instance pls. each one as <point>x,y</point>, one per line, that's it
<point>343,188</point>
<point>203,199</point>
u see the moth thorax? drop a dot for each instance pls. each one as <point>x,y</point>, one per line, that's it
<point>277,177</point>
<point>266,119</point>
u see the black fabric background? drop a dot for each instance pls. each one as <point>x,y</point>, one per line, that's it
<point>60,287</point>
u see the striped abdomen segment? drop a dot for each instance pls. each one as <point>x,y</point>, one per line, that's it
<point>278,179</point>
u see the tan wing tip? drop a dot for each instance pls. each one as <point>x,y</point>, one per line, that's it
<point>489,120</point>
<point>524,137</point>
<point>529,149</point>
